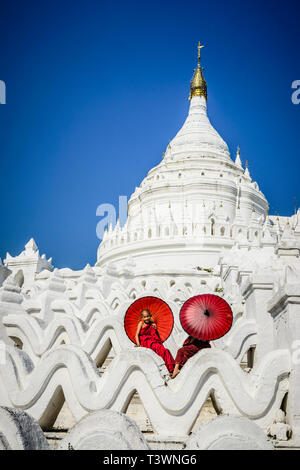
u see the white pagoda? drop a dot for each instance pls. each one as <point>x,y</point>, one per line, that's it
<point>196,224</point>
<point>194,204</point>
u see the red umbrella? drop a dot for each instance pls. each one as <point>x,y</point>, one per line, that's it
<point>161,314</point>
<point>206,317</point>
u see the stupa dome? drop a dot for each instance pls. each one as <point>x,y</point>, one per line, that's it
<point>193,204</point>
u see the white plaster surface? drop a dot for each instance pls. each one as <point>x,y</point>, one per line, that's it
<point>229,433</point>
<point>19,431</point>
<point>105,430</point>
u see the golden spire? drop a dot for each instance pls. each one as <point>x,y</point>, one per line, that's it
<point>198,84</point>
<point>199,52</point>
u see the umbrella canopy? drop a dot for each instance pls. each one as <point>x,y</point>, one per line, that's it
<point>206,317</point>
<point>161,314</point>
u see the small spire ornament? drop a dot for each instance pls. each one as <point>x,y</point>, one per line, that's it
<point>198,85</point>
<point>238,159</point>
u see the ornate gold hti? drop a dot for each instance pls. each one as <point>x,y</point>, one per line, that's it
<point>198,84</point>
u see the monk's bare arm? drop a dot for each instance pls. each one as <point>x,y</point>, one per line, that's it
<point>137,337</point>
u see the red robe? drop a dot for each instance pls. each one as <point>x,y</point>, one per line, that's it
<point>189,349</point>
<point>149,338</point>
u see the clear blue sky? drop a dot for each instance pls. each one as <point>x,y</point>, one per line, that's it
<point>95,90</point>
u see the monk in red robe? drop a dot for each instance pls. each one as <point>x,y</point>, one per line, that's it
<point>147,336</point>
<point>190,347</point>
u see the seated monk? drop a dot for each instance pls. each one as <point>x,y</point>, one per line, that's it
<point>190,347</point>
<point>148,337</point>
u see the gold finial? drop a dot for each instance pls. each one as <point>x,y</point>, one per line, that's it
<point>238,150</point>
<point>199,52</point>
<point>246,163</point>
<point>198,84</point>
